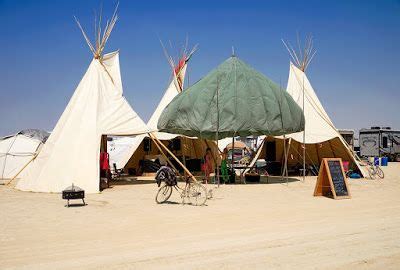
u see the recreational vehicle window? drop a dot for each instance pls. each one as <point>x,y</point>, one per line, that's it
<point>384,142</point>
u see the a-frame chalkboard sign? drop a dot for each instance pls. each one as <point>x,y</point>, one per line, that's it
<point>331,180</point>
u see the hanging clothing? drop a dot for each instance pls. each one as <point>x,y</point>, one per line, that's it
<point>224,170</point>
<point>104,161</point>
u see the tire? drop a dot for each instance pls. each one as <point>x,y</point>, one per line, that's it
<point>163,194</point>
<point>371,173</point>
<point>197,194</point>
<point>380,173</point>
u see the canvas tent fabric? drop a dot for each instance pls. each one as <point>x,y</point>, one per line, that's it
<point>172,90</point>
<point>318,126</point>
<point>190,147</point>
<point>322,139</point>
<point>237,145</point>
<point>16,151</point>
<point>223,143</point>
<point>36,134</point>
<point>321,136</point>
<point>71,153</point>
<point>117,148</point>
<point>248,103</point>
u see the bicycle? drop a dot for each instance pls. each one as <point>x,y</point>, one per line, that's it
<point>374,170</point>
<point>195,192</point>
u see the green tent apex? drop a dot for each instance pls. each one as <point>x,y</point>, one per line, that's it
<point>232,100</point>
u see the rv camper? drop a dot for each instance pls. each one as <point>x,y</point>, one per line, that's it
<point>378,141</point>
<point>348,136</point>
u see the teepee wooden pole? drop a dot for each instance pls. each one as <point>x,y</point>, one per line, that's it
<point>176,159</point>
<point>162,152</point>
<point>15,176</point>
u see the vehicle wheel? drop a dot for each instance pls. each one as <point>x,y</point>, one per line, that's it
<point>163,194</point>
<point>197,194</point>
<point>380,173</point>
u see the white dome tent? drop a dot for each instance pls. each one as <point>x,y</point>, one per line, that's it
<point>18,150</point>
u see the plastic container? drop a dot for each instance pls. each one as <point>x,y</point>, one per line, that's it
<point>384,161</point>
<point>371,159</point>
<point>376,161</point>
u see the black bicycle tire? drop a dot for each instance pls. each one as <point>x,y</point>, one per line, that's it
<point>380,173</point>
<point>194,198</point>
<point>169,192</point>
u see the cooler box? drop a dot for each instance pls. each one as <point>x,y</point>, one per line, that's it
<point>376,161</point>
<point>384,161</point>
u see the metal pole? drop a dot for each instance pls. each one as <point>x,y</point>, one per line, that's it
<point>233,152</point>
<point>284,156</point>
<point>304,140</point>
<point>217,135</point>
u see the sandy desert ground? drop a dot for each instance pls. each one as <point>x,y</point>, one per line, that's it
<point>254,226</point>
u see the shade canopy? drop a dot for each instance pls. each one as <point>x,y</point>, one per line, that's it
<point>233,100</point>
<point>237,145</point>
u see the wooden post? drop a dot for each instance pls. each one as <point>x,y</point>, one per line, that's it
<point>177,160</point>
<point>287,156</point>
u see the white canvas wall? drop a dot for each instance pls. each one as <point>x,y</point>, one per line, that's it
<point>71,154</point>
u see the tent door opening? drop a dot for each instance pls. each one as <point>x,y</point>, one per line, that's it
<point>270,153</point>
<point>105,174</point>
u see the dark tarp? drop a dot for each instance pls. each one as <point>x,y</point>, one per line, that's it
<point>248,104</point>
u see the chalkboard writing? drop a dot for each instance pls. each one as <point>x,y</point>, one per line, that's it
<point>338,180</point>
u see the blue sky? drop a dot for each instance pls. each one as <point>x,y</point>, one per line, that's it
<point>355,71</point>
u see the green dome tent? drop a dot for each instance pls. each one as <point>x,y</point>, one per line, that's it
<point>232,100</point>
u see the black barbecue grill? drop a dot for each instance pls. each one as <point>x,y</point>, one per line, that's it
<point>73,193</point>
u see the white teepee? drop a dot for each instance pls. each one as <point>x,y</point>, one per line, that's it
<point>318,126</point>
<point>97,107</point>
<point>71,154</point>
<point>321,137</point>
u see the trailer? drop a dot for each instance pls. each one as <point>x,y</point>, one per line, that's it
<point>377,141</point>
<point>348,136</point>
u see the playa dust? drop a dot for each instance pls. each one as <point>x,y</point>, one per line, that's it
<point>253,226</point>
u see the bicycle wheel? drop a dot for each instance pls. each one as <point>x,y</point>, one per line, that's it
<point>371,173</point>
<point>163,194</point>
<point>379,172</point>
<point>197,194</point>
